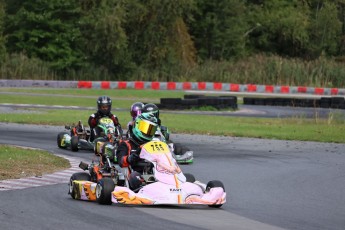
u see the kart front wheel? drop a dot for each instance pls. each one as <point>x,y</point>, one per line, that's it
<point>74,143</point>
<point>104,188</point>
<point>59,139</point>
<point>214,184</point>
<point>77,176</point>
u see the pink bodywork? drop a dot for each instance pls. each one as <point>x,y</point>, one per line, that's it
<point>170,186</point>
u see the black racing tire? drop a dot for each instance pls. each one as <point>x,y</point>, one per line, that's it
<point>77,176</point>
<point>104,188</point>
<point>59,138</point>
<point>189,177</point>
<point>74,143</point>
<point>214,184</point>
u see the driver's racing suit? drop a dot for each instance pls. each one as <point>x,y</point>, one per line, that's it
<point>93,121</point>
<point>127,154</point>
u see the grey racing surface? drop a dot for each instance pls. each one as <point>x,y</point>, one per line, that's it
<point>270,184</point>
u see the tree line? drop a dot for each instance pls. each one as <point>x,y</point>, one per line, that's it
<point>165,39</point>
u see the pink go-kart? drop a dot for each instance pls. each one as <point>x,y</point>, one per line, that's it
<point>163,183</point>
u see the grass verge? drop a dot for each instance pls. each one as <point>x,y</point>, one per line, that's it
<point>298,128</point>
<point>295,128</point>
<point>17,162</point>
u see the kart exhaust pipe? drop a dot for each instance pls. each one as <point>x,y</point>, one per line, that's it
<point>84,166</point>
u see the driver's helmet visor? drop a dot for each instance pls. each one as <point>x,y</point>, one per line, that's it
<point>104,107</point>
<point>146,127</point>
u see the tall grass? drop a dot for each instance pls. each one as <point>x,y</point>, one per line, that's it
<point>19,66</point>
<point>256,69</point>
<point>274,70</point>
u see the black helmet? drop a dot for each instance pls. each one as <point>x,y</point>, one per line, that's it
<point>104,105</point>
<point>136,109</point>
<point>151,108</point>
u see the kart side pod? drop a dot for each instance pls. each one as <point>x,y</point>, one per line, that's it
<point>83,190</point>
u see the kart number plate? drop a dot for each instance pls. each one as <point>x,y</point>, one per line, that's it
<point>106,121</point>
<point>156,147</point>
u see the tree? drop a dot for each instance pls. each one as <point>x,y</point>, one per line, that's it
<point>219,29</point>
<point>158,38</point>
<point>325,29</point>
<point>2,37</point>
<point>45,29</point>
<point>283,26</point>
<point>104,37</point>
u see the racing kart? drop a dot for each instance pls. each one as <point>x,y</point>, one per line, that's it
<point>82,185</point>
<point>182,154</point>
<point>79,136</point>
<point>163,183</point>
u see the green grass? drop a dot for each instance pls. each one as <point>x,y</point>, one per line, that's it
<point>297,128</point>
<point>83,97</point>
<point>18,162</point>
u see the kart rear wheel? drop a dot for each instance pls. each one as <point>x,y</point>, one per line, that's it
<point>189,177</point>
<point>214,184</point>
<point>74,143</point>
<point>59,139</point>
<point>77,176</point>
<point>104,188</point>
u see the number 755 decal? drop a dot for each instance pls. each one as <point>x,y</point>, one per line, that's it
<point>156,147</point>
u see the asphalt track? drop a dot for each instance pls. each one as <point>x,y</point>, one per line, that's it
<point>270,184</point>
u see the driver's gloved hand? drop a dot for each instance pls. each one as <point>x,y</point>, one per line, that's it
<point>133,157</point>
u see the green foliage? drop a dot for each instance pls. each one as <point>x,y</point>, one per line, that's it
<point>19,66</point>
<point>155,31</point>
<point>219,29</point>
<point>2,37</point>
<point>180,40</point>
<point>325,29</point>
<point>104,37</point>
<point>45,29</point>
<point>279,26</point>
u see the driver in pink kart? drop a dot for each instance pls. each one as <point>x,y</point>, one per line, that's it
<point>127,153</point>
<point>103,110</point>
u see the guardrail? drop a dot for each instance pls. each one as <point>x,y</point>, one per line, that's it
<point>155,85</point>
<point>216,86</point>
<point>335,99</point>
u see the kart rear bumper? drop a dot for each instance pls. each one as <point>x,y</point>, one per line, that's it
<point>185,158</point>
<point>159,193</point>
